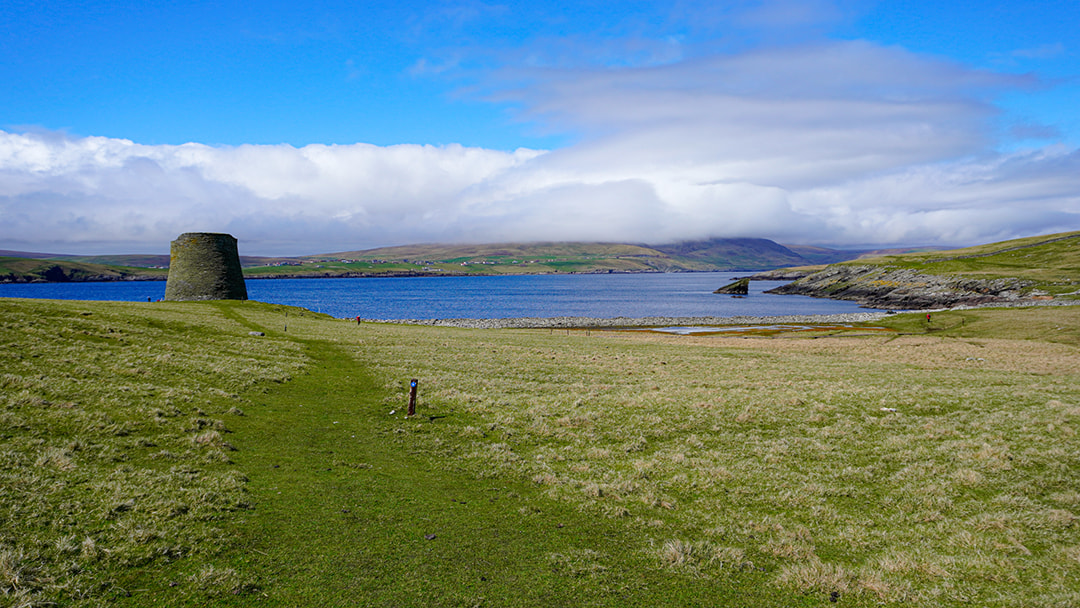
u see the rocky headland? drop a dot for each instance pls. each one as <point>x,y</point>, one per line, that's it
<point>894,288</point>
<point>741,287</point>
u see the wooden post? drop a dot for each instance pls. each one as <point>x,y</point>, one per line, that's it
<point>412,397</point>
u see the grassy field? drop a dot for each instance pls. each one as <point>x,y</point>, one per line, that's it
<point>160,455</point>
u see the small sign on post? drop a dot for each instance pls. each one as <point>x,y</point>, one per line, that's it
<point>412,397</point>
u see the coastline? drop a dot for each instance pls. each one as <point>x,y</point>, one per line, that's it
<point>636,322</point>
<point>619,322</point>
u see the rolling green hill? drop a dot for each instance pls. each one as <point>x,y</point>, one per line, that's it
<point>29,270</point>
<point>1047,259</point>
<point>443,259</point>
<point>1035,268</point>
<point>552,257</point>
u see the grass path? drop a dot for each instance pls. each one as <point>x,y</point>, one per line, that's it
<point>343,516</point>
<point>937,466</point>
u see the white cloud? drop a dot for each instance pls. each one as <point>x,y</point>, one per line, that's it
<point>89,193</point>
<point>841,143</point>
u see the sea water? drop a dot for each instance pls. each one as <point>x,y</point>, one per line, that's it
<point>487,297</point>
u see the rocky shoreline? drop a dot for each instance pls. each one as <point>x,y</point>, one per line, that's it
<point>620,322</point>
<point>893,288</point>
<point>641,322</point>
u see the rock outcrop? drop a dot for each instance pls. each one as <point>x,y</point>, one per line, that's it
<point>205,266</point>
<point>903,289</point>
<point>741,287</point>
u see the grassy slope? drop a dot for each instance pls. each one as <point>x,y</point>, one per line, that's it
<point>503,250</point>
<point>507,265</point>
<point>129,260</point>
<point>1052,260</point>
<point>535,258</point>
<point>144,261</point>
<point>37,269</point>
<point>506,258</point>
<point>114,423</point>
<point>682,471</point>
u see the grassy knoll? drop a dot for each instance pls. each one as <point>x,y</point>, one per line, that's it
<point>114,422</point>
<point>28,269</point>
<point>157,454</point>
<point>1051,260</point>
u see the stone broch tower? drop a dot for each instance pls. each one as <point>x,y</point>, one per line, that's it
<point>205,266</point>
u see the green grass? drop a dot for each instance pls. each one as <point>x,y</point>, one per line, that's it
<point>496,266</point>
<point>157,454</point>
<point>27,269</point>
<point>1051,260</point>
<point>115,441</point>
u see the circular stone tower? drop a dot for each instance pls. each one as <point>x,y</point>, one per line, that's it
<point>205,266</point>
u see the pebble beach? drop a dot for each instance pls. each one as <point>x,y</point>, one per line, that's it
<point>617,322</point>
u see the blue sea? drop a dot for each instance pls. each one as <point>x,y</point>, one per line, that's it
<point>491,297</point>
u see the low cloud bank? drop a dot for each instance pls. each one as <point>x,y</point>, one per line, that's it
<point>842,144</point>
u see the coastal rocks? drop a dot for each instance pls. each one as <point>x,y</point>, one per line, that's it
<point>740,287</point>
<point>623,322</point>
<point>902,288</point>
<point>205,266</point>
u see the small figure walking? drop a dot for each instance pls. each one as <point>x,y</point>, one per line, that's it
<point>927,318</point>
<point>357,319</point>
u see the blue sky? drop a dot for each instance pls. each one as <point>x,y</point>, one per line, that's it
<point>310,127</point>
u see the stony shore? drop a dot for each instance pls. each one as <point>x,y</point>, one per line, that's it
<point>877,286</point>
<point>618,322</point>
<point>592,322</point>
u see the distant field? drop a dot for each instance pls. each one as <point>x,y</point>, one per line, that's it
<point>158,454</point>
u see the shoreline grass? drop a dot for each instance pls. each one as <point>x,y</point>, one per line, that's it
<point>936,465</point>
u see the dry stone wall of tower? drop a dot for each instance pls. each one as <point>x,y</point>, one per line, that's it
<point>205,266</point>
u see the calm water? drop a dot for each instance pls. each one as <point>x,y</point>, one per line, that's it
<point>602,296</point>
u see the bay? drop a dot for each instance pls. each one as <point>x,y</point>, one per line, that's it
<point>487,297</point>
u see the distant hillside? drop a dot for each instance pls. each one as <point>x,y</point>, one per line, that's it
<point>155,261</point>
<point>450,252</point>
<point>30,270</point>
<point>130,260</point>
<point>440,259</point>
<point>127,260</point>
<point>523,258</point>
<point>7,253</point>
<point>736,254</point>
